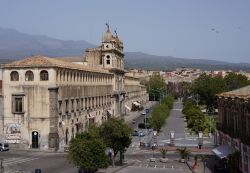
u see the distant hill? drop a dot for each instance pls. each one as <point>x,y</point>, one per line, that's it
<point>16,45</point>
<point>145,61</point>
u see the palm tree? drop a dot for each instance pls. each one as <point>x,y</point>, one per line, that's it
<point>163,152</point>
<point>184,153</point>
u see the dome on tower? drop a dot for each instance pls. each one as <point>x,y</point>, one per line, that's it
<point>107,37</point>
<point>117,40</point>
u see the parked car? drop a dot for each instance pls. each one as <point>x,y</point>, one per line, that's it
<point>143,113</point>
<point>147,110</point>
<point>138,133</point>
<point>142,126</point>
<point>4,146</point>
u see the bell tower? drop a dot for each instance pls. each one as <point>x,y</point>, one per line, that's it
<point>112,50</point>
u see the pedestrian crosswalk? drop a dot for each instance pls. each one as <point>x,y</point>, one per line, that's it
<point>17,160</point>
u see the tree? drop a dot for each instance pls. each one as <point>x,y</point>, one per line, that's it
<point>161,112</point>
<point>184,88</point>
<point>234,81</point>
<point>116,134</point>
<point>155,87</point>
<point>87,151</point>
<point>207,87</point>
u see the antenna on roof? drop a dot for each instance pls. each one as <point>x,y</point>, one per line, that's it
<point>116,32</point>
<point>107,24</point>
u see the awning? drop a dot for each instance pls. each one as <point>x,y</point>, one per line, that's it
<point>109,112</point>
<point>127,107</point>
<point>223,151</point>
<point>136,103</point>
<point>90,116</point>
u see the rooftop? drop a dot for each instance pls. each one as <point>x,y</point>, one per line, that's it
<point>45,62</point>
<point>238,93</point>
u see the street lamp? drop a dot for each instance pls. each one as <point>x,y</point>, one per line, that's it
<point>200,138</point>
<point>154,141</point>
<point>210,112</point>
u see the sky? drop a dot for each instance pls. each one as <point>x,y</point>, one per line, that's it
<point>204,29</point>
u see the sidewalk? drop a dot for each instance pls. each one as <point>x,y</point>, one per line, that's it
<point>199,168</point>
<point>111,169</point>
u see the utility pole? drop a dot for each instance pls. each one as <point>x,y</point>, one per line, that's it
<point>197,99</point>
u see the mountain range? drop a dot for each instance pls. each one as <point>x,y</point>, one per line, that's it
<point>16,45</point>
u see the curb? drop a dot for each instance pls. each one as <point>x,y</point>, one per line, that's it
<point>116,170</point>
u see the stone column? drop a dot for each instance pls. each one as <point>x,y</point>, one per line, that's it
<point>53,114</point>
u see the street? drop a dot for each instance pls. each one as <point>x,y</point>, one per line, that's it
<point>176,123</point>
<point>28,161</point>
<point>25,161</point>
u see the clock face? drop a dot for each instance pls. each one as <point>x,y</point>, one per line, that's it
<point>35,133</point>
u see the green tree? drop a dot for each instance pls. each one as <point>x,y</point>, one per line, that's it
<point>87,151</point>
<point>161,112</point>
<point>184,88</point>
<point>235,81</point>
<point>155,87</point>
<point>116,134</point>
<point>207,87</point>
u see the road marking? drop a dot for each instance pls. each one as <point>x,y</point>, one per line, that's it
<point>17,160</point>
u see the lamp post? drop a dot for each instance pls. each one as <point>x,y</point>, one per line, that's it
<point>145,122</point>
<point>210,112</point>
<point>200,138</point>
<point>154,141</point>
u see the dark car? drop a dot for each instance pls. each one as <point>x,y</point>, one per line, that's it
<point>4,146</point>
<point>142,126</point>
<point>147,110</point>
<point>145,120</point>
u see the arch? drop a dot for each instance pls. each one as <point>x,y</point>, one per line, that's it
<point>14,76</point>
<point>108,59</point>
<point>35,137</point>
<point>67,136</point>
<point>72,132</point>
<point>44,75</point>
<point>29,76</point>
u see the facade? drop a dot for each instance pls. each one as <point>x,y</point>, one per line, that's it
<point>234,123</point>
<point>1,105</point>
<point>47,101</point>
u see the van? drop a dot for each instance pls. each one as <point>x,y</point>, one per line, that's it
<point>4,146</point>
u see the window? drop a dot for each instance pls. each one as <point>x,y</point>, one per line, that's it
<point>17,104</point>
<point>44,75</point>
<point>14,76</point>
<point>29,76</point>
<point>108,59</point>
<point>100,60</point>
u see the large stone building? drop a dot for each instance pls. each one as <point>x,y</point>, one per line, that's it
<point>234,123</point>
<point>47,101</point>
